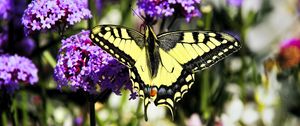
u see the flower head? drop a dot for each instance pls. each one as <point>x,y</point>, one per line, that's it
<point>160,8</point>
<point>82,65</point>
<point>14,70</point>
<point>44,14</point>
<point>289,54</point>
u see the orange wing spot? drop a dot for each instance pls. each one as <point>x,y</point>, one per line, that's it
<point>153,92</point>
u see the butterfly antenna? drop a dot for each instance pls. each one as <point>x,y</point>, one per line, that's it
<point>143,19</point>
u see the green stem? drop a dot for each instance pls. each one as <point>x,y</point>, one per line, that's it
<point>24,108</point>
<point>243,52</point>
<point>205,75</point>
<point>14,112</point>
<point>139,108</point>
<point>4,119</point>
<point>207,23</point>
<point>44,105</point>
<point>138,115</point>
<point>49,58</point>
<point>126,10</point>
<point>123,101</point>
<point>204,93</point>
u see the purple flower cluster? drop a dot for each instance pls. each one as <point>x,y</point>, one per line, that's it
<point>15,70</point>
<point>6,6</point>
<point>160,8</point>
<point>82,65</point>
<point>44,14</point>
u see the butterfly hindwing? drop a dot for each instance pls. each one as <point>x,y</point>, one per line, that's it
<point>171,83</point>
<point>122,43</point>
<point>196,50</point>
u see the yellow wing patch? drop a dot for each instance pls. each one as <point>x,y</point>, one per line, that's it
<point>198,50</point>
<point>168,68</point>
<point>118,42</point>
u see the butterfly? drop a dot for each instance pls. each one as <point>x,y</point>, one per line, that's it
<point>162,66</point>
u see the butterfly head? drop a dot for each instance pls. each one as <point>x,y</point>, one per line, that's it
<point>149,33</point>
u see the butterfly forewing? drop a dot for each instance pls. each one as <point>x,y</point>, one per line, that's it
<point>122,43</point>
<point>196,50</point>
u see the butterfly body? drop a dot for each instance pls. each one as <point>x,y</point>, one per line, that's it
<point>152,50</point>
<point>162,67</point>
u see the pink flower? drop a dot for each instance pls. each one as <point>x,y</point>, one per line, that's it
<point>194,120</point>
<point>289,55</point>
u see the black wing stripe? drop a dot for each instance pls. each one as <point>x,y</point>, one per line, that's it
<point>195,36</point>
<point>119,32</point>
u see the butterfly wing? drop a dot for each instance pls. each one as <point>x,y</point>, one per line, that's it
<point>126,45</point>
<point>196,50</point>
<point>123,43</point>
<point>183,53</point>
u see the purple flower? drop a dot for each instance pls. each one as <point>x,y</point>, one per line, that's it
<point>161,8</point>
<point>26,46</point>
<point>14,70</point>
<point>82,65</point>
<point>78,121</point>
<point>98,6</point>
<point>237,3</point>
<point>133,95</point>
<point>45,14</point>
<point>5,8</point>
